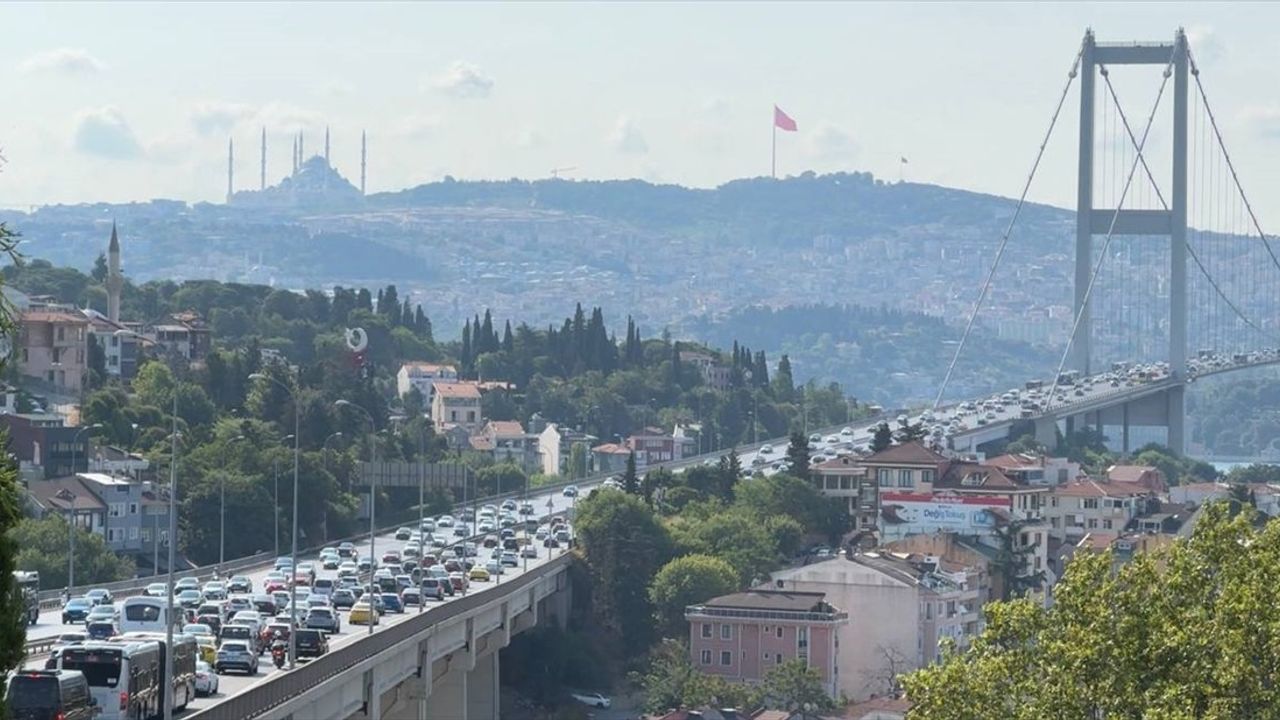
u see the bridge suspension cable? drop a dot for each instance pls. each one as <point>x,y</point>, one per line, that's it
<point>1111,228</point>
<point>1008,231</point>
<point>1141,157</point>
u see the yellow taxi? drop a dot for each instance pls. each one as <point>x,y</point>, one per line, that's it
<point>362,613</point>
<point>208,652</point>
<point>479,574</point>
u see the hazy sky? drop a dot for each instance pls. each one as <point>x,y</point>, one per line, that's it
<point>122,102</point>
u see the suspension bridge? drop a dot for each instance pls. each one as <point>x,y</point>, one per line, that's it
<point>1205,301</point>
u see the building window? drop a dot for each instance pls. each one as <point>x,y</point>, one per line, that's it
<point>803,635</point>
<point>146,535</point>
<point>951,608</point>
<point>777,658</point>
<point>904,478</point>
<point>133,508</point>
<point>1106,524</point>
<point>1090,503</point>
<point>1093,523</point>
<point>726,657</point>
<point>726,632</point>
<point>706,657</point>
<point>926,476</point>
<point>764,657</point>
<point>706,630</point>
<point>133,533</point>
<point>779,631</point>
<point>882,477</point>
<point>116,510</point>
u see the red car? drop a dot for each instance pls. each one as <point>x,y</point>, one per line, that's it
<point>275,584</point>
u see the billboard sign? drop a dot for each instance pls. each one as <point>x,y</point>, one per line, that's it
<point>903,514</point>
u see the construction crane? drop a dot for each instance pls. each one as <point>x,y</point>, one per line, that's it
<point>555,172</point>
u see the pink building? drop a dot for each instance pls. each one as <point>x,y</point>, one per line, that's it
<point>743,636</point>
<point>652,446</point>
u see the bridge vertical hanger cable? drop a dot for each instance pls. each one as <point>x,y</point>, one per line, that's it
<point>1213,122</point>
<point>1004,240</point>
<point>1141,159</point>
<point>1111,228</point>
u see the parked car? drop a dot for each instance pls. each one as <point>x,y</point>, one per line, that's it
<point>206,680</point>
<point>76,610</point>
<point>312,643</point>
<point>323,618</point>
<point>236,655</point>
<point>62,694</point>
<point>363,613</point>
<point>595,700</point>
<point>391,603</point>
<point>342,598</point>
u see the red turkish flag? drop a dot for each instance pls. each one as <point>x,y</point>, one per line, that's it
<point>783,121</point>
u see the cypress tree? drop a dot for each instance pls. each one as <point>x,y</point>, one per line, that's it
<point>466,348</point>
<point>508,342</point>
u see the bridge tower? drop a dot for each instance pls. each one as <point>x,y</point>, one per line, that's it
<point>1092,221</point>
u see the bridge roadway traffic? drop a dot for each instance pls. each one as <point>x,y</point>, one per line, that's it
<point>233,684</point>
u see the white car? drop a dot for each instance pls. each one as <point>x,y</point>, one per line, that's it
<point>206,679</point>
<point>593,699</point>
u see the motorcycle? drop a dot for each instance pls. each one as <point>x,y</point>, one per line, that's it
<point>278,656</point>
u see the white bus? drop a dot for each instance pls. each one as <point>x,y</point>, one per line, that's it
<point>185,653</point>
<point>148,614</point>
<point>125,677</point>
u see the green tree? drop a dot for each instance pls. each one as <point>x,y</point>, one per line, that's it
<point>43,547</point>
<point>686,581</point>
<point>630,483</point>
<point>99,272</point>
<point>1181,632</point>
<point>672,681</point>
<point>623,545</point>
<point>908,432</point>
<point>794,685</point>
<point>13,624</point>
<point>578,461</point>
<point>882,438</point>
<point>500,478</point>
<point>798,456</point>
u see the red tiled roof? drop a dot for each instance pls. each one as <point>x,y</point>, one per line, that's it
<point>973,476</point>
<point>910,453</point>
<point>847,462</point>
<point>861,710</point>
<point>505,428</point>
<point>456,390</point>
<point>1015,462</point>
<point>1093,488</point>
<point>612,449</point>
<point>54,316</point>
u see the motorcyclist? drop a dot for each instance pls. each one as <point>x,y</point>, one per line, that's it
<point>66,595</point>
<point>279,648</point>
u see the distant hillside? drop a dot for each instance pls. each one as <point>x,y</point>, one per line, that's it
<point>878,354</point>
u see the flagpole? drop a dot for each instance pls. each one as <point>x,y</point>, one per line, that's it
<point>773,168</point>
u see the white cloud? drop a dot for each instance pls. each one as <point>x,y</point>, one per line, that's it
<point>1263,120</point>
<point>219,117</point>
<point>1206,44</point>
<point>104,132</point>
<point>67,61</point>
<point>528,138</point>
<point>627,138</point>
<point>419,126</point>
<point>829,142</point>
<point>463,80</point>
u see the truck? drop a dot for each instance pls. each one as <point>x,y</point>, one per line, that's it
<point>28,583</point>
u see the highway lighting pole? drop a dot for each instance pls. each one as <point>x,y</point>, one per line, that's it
<point>373,459</point>
<point>71,531</point>
<point>325,448</point>
<point>421,600</point>
<point>293,550</point>
<point>222,514</point>
<point>173,538</point>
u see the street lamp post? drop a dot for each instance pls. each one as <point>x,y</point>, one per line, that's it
<point>422,604</point>
<point>222,514</point>
<point>173,538</point>
<point>373,459</point>
<point>71,531</point>
<point>293,549</point>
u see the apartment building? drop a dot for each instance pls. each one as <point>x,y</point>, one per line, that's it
<point>848,479</point>
<point>653,446</point>
<point>456,404</point>
<point>1088,506</point>
<point>53,348</point>
<point>742,636</point>
<point>900,606</point>
<point>423,376</point>
<point>507,442</point>
<point>44,446</point>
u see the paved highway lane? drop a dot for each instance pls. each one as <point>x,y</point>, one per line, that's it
<point>50,624</point>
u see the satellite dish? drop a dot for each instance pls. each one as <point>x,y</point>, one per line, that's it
<point>357,339</point>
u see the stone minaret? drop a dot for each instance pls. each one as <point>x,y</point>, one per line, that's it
<point>115,280</point>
